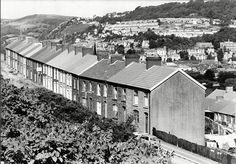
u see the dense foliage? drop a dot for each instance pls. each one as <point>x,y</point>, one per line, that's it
<point>222,9</point>
<point>40,127</point>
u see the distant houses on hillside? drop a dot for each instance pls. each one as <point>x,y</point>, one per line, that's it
<point>116,86</point>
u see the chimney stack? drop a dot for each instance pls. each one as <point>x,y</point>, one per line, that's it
<point>151,61</point>
<point>131,58</point>
<point>229,89</point>
<point>70,48</point>
<point>115,57</point>
<point>77,50</point>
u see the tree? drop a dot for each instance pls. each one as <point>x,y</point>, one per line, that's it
<point>131,51</point>
<point>225,75</point>
<point>184,55</point>
<point>209,74</point>
<point>152,44</point>
<point>168,60</point>
<point>231,82</point>
<point>193,58</point>
<point>120,49</point>
<point>220,55</point>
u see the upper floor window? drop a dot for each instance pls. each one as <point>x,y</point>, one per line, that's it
<point>105,91</point>
<point>115,92</point>
<point>98,90</point>
<point>115,111</point>
<point>99,108</point>
<point>135,97</point>
<point>124,94</point>
<point>83,86</point>
<point>74,84</point>
<point>90,87</point>
<point>146,99</point>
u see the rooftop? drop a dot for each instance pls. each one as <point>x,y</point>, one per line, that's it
<point>103,70</point>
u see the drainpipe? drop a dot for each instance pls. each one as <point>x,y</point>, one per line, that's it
<point>235,116</point>
<point>149,115</point>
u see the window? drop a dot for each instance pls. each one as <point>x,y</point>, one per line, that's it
<point>78,84</point>
<point>115,92</point>
<point>124,94</point>
<point>135,97</point>
<point>146,99</point>
<point>115,111</point>
<point>74,97</point>
<point>105,91</point>
<point>136,116</point>
<point>105,108</point>
<point>84,102</point>
<point>90,87</point>
<point>83,86</point>
<point>99,108</point>
<point>146,122</point>
<point>98,90</point>
<point>125,113</point>
<point>74,84</point>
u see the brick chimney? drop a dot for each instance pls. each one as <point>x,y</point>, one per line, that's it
<point>131,58</point>
<point>229,89</point>
<point>151,61</point>
<point>77,50</point>
<point>115,57</point>
<point>70,48</point>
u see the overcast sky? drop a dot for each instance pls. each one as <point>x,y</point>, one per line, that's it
<point>12,9</point>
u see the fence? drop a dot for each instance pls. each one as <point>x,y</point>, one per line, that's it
<point>211,153</point>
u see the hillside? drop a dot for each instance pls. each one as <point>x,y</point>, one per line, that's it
<point>223,9</point>
<point>67,29</point>
<point>35,25</point>
<point>39,19</point>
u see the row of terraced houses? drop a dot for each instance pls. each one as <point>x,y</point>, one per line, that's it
<point>116,86</point>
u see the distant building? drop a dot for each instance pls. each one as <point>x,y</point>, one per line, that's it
<point>220,106</point>
<point>231,46</point>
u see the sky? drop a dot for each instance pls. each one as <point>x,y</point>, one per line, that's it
<point>13,9</point>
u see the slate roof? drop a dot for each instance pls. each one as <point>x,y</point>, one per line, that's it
<point>65,59</point>
<point>78,67</point>
<point>28,52</point>
<point>136,75</point>
<point>14,43</point>
<point>129,73</point>
<point>227,95</point>
<point>153,76</point>
<point>33,51</point>
<point>21,46</point>
<point>41,53</point>
<point>220,106</point>
<point>103,70</point>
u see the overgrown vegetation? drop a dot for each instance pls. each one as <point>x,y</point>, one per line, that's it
<point>40,127</point>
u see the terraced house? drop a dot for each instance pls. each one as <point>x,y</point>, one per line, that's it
<point>157,96</point>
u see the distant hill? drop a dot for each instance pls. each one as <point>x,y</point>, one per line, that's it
<point>222,9</point>
<point>67,29</point>
<point>38,20</point>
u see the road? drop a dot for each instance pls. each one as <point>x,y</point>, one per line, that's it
<point>182,156</point>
